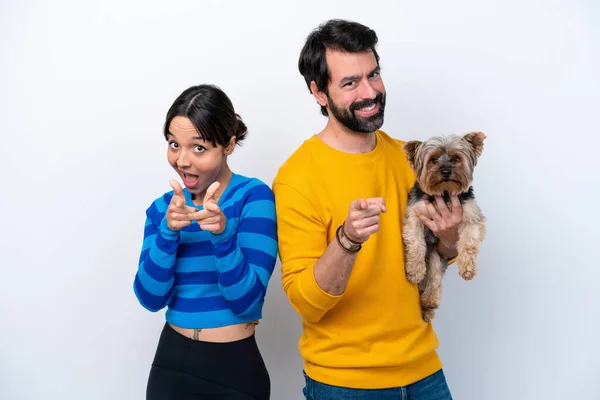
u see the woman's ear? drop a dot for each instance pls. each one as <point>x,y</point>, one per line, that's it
<point>230,146</point>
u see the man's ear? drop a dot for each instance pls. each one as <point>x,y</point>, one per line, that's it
<point>320,96</point>
<point>230,146</point>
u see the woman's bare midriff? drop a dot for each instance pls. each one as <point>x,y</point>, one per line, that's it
<point>222,334</point>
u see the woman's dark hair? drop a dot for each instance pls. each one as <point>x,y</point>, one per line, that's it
<point>335,34</point>
<point>210,110</point>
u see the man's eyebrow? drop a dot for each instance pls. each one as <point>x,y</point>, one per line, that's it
<point>349,78</point>
<point>354,77</point>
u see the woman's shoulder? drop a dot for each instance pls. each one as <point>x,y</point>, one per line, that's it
<point>248,196</point>
<point>244,187</point>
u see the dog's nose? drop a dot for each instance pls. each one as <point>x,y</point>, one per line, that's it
<point>446,172</point>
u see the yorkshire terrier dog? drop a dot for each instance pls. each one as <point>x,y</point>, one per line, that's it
<point>443,166</point>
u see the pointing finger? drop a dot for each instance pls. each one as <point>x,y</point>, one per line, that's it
<point>371,210</point>
<point>358,205</point>
<point>176,187</point>
<point>210,192</point>
<point>190,210</point>
<point>379,201</point>
<point>199,215</point>
<point>177,216</point>
<point>211,206</point>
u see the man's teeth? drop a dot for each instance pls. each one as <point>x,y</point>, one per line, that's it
<point>369,108</point>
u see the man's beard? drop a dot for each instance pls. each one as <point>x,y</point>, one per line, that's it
<point>350,120</point>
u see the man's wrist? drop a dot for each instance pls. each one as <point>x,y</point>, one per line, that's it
<point>447,251</point>
<point>349,245</point>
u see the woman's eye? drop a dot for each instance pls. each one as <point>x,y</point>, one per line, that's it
<point>173,145</point>
<point>200,149</point>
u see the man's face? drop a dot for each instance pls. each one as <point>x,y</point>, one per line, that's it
<point>356,95</point>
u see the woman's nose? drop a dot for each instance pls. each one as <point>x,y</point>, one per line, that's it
<point>183,160</point>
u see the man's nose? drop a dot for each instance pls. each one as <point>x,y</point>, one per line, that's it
<point>367,91</point>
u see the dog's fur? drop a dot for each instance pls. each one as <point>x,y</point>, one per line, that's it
<point>443,165</point>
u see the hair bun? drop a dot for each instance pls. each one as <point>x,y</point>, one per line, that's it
<point>241,129</point>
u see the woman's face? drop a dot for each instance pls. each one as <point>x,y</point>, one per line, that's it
<point>197,161</point>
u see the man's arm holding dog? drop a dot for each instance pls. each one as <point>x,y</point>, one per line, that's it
<point>444,223</point>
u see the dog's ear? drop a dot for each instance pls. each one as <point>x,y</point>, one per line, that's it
<point>410,148</point>
<point>475,139</point>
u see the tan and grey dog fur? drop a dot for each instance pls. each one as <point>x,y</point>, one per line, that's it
<point>443,165</point>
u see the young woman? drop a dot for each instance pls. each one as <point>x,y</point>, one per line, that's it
<point>208,253</point>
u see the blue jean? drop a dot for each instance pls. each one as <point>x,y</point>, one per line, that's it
<point>433,387</point>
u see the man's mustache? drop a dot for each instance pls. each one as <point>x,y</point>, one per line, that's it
<point>367,102</point>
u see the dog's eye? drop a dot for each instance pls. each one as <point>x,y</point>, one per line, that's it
<point>433,160</point>
<point>455,158</point>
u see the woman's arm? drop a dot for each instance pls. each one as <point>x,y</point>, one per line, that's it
<point>246,250</point>
<point>153,284</point>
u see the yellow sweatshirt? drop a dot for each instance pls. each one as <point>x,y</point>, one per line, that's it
<point>372,335</point>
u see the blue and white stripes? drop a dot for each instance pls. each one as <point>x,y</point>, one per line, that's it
<point>209,280</point>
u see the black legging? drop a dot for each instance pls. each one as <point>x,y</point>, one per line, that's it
<point>186,369</point>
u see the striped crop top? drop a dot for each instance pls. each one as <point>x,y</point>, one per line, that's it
<point>207,280</point>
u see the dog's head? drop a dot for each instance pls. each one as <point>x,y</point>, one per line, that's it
<point>445,163</point>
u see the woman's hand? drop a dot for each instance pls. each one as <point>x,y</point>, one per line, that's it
<point>211,218</point>
<point>178,214</point>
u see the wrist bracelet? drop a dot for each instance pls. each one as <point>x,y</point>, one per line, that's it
<point>345,243</point>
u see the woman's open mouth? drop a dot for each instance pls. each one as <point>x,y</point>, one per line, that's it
<point>190,181</point>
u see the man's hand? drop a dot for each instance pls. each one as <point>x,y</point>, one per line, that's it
<point>444,223</point>
<point>363,218</point>
<point>178,214</point>
<point>211,218</point>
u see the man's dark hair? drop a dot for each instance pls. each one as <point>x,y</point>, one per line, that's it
<point>338,35</point>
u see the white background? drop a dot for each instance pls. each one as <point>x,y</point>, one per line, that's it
<point>84,88</point>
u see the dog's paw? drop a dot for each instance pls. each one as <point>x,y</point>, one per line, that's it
<point>428,315</point>
<point>416,275</point>
<point>429,302</point>
<point>468,275</point>
<point>467,267</point>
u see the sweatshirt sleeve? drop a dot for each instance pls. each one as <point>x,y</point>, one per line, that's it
<point>246,251</point>
<point>302,241</point>
<point>153,283</point>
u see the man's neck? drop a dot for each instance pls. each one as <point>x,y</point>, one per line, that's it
<point>340,138</point>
